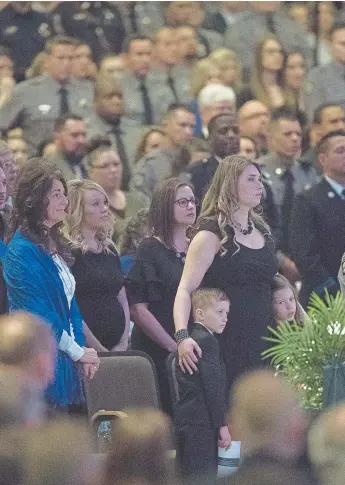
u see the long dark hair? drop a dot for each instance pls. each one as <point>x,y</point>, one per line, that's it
<point>30,202</point>
<point>161,212</point>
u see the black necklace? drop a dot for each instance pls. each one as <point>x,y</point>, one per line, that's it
<point>238,226</point>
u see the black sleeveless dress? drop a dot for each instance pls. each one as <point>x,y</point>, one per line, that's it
<point>245,275</point>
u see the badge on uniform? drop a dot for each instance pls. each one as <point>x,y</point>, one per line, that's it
<point>83,102</point>
<point>44,30</point>
<point>331,195</point>
<point>44,108</point>
<point>12,29</point>
<point>278,171</point>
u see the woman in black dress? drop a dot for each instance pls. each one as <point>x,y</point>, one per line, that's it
<point>231,249</point>
<point>100,291</point>
<point>156,272</point>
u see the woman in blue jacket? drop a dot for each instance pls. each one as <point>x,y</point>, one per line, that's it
<point>38,279</point>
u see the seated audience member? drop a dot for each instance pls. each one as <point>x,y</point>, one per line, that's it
<point>201,411</point>
<point>264,19</point>
<point>25,32</point>
<point>227,14</point>
<point>10,168</point>
<point>326,444</point>
<point>287,176</point>
<point>38,278</point>
<point>192,13</point>
<point>188,45</point>
<point>266,81</point>
<point>317,223</point>
<point>271,425</point>
<point>7,81</point>
<point>19,149</point>
<point>100,291</point>
<point>37,103</point>
<point>167,69</point>
<point>229,65</point>
<point>108,121</point>
<point>285,301</point>
<point>203,73</point>
<point>38,67</point>
<point>155,275</point>
<point>135,231</point>
<point>326,83</point>
<point>178,124</point>
<point>215,99</point>
<point>248,148</point>
<point>294,76</point>
<point>327,117</point>
<point>28,351</point>
<point>105,168</point>
<point>224,141</point>
<point>153,139</point>
<point>83,67</point>
<point>254,117</point>
<point>70,142</point>
<point>145,436</point>
<point>112,68</point>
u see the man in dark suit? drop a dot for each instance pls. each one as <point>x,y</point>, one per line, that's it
<point>200,413</point>
<point>317,225</point>
<point>224,140</point>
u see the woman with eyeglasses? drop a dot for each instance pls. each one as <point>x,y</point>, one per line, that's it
<point>155,275</point>
<point>105,168</point>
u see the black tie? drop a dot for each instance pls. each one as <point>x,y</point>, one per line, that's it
<point>171,85</point>
<point>123,156</point>
<point>270,25</point>
<point>63,101</point>
<point>289,195</point>
<point>146,103</point>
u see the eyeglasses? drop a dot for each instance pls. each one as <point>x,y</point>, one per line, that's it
<point>183,203</point>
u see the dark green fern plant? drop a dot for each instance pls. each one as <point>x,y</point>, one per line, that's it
<point>300,352</point>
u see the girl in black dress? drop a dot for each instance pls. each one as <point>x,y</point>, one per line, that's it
<point>100,291</point>
<point>156,272</point>
<point>232,249</point>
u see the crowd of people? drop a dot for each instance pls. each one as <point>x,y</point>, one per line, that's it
<point>172,180</point>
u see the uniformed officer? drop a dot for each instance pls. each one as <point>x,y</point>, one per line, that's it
<point>38,102</point>
<point>264,18</point>
<point>25,32</point>
<point>107,121</point>
<point>178,125</point>
<point>326,84</point>
<point>144,97</point>
<point>286,175</point>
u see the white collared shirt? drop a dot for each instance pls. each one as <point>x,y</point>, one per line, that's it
<point>338,188</point>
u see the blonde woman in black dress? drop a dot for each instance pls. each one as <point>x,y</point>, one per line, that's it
<point>231,249</point>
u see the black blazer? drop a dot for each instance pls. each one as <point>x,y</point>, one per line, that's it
<point>317,238</point>
<point>201,175</point>
<point>202,396</point>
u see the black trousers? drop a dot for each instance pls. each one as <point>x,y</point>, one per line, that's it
<point>197,450</point>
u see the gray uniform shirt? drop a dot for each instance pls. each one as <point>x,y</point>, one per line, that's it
<point>326,84</point>
<point>35,106</point>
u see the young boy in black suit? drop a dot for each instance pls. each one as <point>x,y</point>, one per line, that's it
<point>200,413</point>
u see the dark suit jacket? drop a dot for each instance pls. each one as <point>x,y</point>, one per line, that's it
<point>202,396</point>
<point>201,175</point>
<point>317,238</point>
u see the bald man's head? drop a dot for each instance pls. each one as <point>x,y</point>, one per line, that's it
<point>266,414</point>
<point>254,118</point>
<point>22,337</point>
<point>326,446</point>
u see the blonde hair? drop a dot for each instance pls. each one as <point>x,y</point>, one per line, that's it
<point>200,74</point>
<point>282,283</point>
<point>139,451</point>
<point>73,222</point>
<point>203,298</point>
<point>221,57</point>
<point>221,199</point>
